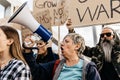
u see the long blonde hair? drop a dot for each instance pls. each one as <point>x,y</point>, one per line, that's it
<point>15,47</point>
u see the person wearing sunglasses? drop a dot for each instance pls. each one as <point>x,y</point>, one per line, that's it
<point>106,54</point>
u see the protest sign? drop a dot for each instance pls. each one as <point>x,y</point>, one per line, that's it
<point>50,12</point>
<point>94,12</point>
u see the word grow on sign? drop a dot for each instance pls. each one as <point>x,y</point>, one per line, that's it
<point>50,12</point>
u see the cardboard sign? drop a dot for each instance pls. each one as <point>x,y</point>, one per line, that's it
<point>43,17</point>
<point>50,12</point>
<point>94,12</point>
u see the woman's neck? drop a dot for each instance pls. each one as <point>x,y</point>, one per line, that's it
<point>72,61</point>
<point>43,54</point>
<point>4,59</point>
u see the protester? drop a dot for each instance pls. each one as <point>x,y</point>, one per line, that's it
<point>105,54</point>
<point>45,53</point>
<point>71,30</point>
<point>12,63</point>
<point>74,66</point>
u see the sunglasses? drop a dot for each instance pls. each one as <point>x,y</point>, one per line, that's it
<point>107,34</point>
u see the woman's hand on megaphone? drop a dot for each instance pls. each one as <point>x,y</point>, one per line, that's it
<point>29,44</point>
<point>29,41</point>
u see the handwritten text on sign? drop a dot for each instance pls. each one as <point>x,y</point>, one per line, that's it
<point>56,8</point>
<point>92,12</point>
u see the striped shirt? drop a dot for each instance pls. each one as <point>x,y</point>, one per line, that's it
<point>15,70</point>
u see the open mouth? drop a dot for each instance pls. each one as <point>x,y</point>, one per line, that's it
<point>61,48</point>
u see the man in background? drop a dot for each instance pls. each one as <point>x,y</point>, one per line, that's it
<point>106,54</point>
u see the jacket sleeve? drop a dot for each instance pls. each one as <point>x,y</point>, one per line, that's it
<point>91,72</point>
<point>89,51</point>
<point>39,71</point>
<point>53,56</point>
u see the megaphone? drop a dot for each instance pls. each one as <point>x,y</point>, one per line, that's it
<point>24,17</point>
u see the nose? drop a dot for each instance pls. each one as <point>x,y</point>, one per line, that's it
<point>62,43</point>
<point>104,36</point>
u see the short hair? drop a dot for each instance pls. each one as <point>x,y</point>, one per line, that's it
<point>77,39</point>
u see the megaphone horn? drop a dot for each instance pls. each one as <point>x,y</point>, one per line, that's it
<point>24,17</point>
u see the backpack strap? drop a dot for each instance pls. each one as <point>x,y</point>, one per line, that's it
<point>58,69</point>
<point>55,66</point>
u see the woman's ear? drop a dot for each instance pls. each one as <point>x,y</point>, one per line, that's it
<point>10,41</point>
<point>77,46</point>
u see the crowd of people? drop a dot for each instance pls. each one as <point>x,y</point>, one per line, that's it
<point>74,66</point>
<point>106,54</point>
<point>18,64</point>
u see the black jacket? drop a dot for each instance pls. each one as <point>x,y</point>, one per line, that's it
<point>51,56</point>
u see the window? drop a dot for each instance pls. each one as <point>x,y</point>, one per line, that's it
<point>1,11</point>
